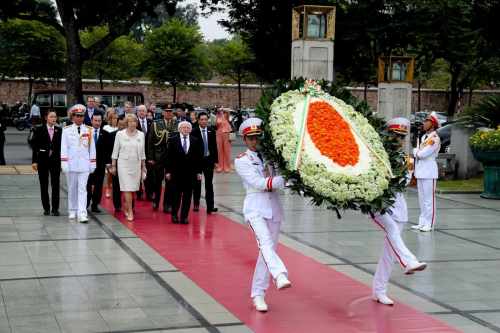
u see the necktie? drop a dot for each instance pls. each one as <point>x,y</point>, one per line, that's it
<point>96,135</point>
<point>51,135</point>
<point>259,155</point>
<point>184,145</point>
<point>78,129</point>
<point>143,126</point>
<point>205,142</point>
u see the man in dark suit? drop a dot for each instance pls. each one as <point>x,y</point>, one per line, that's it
<point>96,178</point>
<point>210,158</point>
<point>144,125</point>
<point>183,168</point>
<point>91,109</point>
<point>46,159</point>
<point>3,127</point>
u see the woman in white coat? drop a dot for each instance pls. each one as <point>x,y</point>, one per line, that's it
<point>128,153</point>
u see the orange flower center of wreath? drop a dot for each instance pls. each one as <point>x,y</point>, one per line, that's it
<point>331,134</point>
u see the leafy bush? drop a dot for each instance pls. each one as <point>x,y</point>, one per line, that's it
<point>484,114</point>
<point>486,140</point>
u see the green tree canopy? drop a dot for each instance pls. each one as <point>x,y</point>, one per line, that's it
<point>30,49</point>
<point>122,59</point>
<point>174,55</point>
<point>232,59</point>
<point>72,17</point>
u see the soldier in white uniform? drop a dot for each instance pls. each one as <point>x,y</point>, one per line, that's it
<point>78,160</point>
<point>393,223</point>
<point>426,173</point>
<point>263,212</point>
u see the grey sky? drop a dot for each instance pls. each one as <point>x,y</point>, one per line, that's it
<point>208,25</point>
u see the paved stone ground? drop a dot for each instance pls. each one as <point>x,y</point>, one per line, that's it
<point>57,276</point>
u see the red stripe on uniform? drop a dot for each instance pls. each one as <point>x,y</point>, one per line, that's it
<point>267,183</point>
<point>389,241</point>
<point>433,202</point>
<point>270,183</point>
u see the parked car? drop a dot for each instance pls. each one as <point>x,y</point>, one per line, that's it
<point>445,136</point>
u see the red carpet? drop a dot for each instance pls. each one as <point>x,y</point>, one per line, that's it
<point>219,255</point>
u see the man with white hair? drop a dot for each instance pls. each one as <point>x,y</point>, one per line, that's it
<point>78,160</point>
<point>183,169</point>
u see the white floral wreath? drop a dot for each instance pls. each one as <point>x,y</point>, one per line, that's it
<point>341,185</point>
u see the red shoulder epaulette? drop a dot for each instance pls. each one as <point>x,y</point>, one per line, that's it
<point>241,155</point>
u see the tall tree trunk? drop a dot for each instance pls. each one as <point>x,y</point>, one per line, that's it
<point>100,80</point>
<point>30,89</point>
<point>365,92</point>
<point>454,93</point>
<point>239,93</point>
<point>174,88</point>
<point>470,96</point>
<point>73,53</point>
<point>419,95</point>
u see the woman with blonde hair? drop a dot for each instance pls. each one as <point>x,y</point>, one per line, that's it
<point>129,155</point>
<point>223,133</point>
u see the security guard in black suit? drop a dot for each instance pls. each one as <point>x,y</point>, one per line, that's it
<point>46,159</point>
<point>96,178</point>
<point>206,135</point>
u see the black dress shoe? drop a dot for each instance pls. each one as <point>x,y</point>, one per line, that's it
<point>95,210</point>
<point>55,213</point>
<point>184,221</point>
<point>175,220</point>
<point>46,212</point>
<point>212,210</point>
<point>196,208</point>
<point>167,210</point>
<point>155,206</point>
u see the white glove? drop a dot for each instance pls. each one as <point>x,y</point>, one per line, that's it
<point>278,182</point>
<point>415,150</point>
<point>64,167</point>
<point>92,168</point>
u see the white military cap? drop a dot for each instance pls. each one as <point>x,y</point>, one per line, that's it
<point>399,125</point>
<point>77,109</point>
<point>433,118</point>
<point>251,127</point>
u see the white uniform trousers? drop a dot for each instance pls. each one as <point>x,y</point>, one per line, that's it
<point>266,233</point>
<point>427,202</point>
<point>77,192</point>
<point>394,250</point>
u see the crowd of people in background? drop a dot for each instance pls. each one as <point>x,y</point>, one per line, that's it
<point>127,155</point>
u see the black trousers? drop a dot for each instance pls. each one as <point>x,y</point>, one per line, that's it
<point>2,144</point>
<point>52,169</point>
<point>157,174</point>
<point>96,179</point>
<point>208,175</point>
<point>117,194</point>
<point>182,190</point>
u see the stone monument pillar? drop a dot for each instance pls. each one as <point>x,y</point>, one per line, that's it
<point>395,79</point>
<point>313,32</point>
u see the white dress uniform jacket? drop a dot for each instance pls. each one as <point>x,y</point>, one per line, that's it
<point>261,200</point>
<point>425,156</point>
<point>78,150</point>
